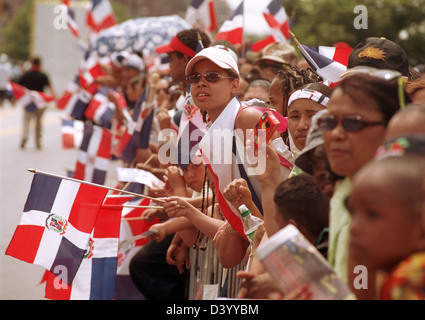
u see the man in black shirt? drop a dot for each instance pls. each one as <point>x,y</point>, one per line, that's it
<point>34,79</point>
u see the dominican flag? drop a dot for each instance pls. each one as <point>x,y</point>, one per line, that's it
<point>100,15</point>
<point>91,68</point>
<point>328,62</point>
<point>124,139</point>
<point>66,97</point>
<point>56,224</point>
<point>132,226</point>
<point>75,103</point>
<point>232,28</point>
<point>277,19</point>
<point>78,103</point>
<point>96,277</point>
<point>101,110</point>
<point>17,90</point>
<point>220,153</point>
<point>31,100</point>
<point>93,157</point>
<point>191,128</point>
<point>71,21</point>
<point>201,14</point>
<point>137,133</point>
<point>72,133</point>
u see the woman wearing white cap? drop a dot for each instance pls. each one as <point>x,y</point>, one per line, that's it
<point>214,77</point>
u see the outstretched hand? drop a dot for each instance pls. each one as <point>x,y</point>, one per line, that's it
<point>177,207</point>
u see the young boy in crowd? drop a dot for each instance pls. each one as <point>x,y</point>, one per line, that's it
<point>387,230</point>
<point>300,202</point>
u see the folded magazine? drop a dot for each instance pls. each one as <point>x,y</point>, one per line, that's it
<point>299,269</point>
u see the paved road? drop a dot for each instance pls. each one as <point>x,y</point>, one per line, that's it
<point>18,279</point>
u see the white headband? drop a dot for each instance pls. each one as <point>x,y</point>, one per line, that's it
<point>310,95</point>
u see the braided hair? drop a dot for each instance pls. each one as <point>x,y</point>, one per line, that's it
<point>292,80</point>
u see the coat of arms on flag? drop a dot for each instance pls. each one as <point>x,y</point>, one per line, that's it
<point>96,276</point>
<point>56,224</point>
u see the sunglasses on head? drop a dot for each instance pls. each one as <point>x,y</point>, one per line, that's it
<point>210,76</point>
<point>385,74</point>
<point>353,124</point>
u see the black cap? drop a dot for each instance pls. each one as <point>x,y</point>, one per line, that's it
<point>379,53</point>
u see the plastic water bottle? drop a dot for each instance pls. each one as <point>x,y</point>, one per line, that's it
<point>250,223</point>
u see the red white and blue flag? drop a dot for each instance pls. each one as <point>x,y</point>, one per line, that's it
<point>101,110</point>
<point>56,224</point>
<point>70,90</point>
<point>217,151</point>
<point>132,226</point>
<point>277,19</point>
<point>137,132</point>
<point>328,62</point>
<point>93,157</point>
<point>96,276</point>
<point>201,14</point>
<point>72,133</point>
<point>279,23</point>
<point>232,28</point>
<point>91,68</point>
<point>71,21</point>
<point>100,15</point>
<point>31,100</point>
<point>75,99</point>
<point>191,128</point>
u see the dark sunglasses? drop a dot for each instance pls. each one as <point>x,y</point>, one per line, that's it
<point>210,76</point>
<point>349,124</point>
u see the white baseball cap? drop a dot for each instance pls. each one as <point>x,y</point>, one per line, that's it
<point>220,57</point>
<point>134,61</point>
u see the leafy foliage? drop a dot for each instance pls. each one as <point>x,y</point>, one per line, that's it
<point>324,22</point>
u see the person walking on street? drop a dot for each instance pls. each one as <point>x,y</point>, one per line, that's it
<point>34,79</point>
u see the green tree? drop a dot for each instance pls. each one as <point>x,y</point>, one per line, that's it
<point>16,35</point>
<point>324,22</point>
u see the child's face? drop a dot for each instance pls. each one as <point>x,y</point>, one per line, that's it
<point>300,113</point>
<point>194,176</point>
<point>382,230</point>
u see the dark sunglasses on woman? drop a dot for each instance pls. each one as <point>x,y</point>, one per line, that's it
<point>210,76</point>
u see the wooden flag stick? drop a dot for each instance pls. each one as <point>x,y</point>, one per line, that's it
<point>96,185</point>
<point>294,38</point>
<point>125,187</point>
<point>120,206</point>
<point>149,159</point>
<point>143,207</point>
<point>307,56</point>
<point>134,218</point>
